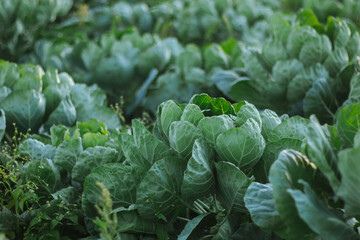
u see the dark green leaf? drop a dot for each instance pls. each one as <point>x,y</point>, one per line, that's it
<point>320,151</point>
<point>327,223</point>
<point>261,205</point>
<point>320,100</point>
<point>159,191</point>
<point>190,226</point>
<point>232,183</point>
<point>199,180</point>
<point>284,175</point>
<point>182,135</point>
<point>26,108</point>
<point>91,158</point>
<point>119,179</point>
<point>349,164</point>
<point>67,153</point>
<point>348,123</point>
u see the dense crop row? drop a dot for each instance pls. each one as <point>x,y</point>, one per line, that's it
<point>206,119</point>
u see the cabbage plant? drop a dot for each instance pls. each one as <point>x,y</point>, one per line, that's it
<point>120,66</point>
<point>323,9</point>
<point>313,193</point>
<point>305,68</point>
<point>32,98</point>
<point>21,22</point>
<point>197,162</point>
<point>188,177</point>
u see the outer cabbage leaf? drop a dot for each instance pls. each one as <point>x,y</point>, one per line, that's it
<point>189,58</point>
<point>212,106</point>
<point>215,57</point>
<point>121,181</point>
<point>130,221</point>
<point>57,134</point>
<point>36,150</point>
<point>261,205</point>
<point>349,164</point>
<point>111,68</point>
<point>245,89</point>
<point>192,113</point>
<point>319,150</point>
<point>4,92</point>
<point>315,50</point>
<point>64,114</point>
<point>182,135</point>
<point>9,73</point>
<point>273,51</point>
<point>90,103</point>
<point>159,191</point>
<point>191,226</point>
<point>232,184</point>
<point>342,34</point>
<point>241,146</point>
<point>354,95</point>
<point>303,81</point>
<point>28,81</point>
<point>283,72</point>
<point>336,61</point>
<point>158,56</point>
<point>255,69</point>
<point>353,46</point>
<point>284,175</point>
<point>168,112</point>
<point>54,94</point>
<point>320,100</point>
<point>26,108</point>
<point>270,120</point>
<point>297,37</point>
<point>150,147</point>
<point>91,158</point>
<point>287,135</point>
<point>225,80</point>
<point>247,111</point>
<point>44,174</point>
<point>69,195</point>
<point>348,123</point>
<point>67,153</point>
<point>199,180</point>
<point>142,149</point>
<point>327,223</point>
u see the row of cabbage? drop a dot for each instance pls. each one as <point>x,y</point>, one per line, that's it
<point>208,169</point>
<point>303,68</point>
<point>23,23</point>
<point>34,99</point>
<point>203,21</point>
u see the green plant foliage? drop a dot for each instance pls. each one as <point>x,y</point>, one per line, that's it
<point>43,180</point>
<point>303,69</point>
<point>303,189</point>
<point>33,98</point>
<point>22,21</point>
<point>187,166</point>
<point>278,158</point>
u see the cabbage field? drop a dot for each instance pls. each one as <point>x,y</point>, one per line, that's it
<point>180,119</point>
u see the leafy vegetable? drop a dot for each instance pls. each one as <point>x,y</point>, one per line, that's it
<point>35,98</point>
